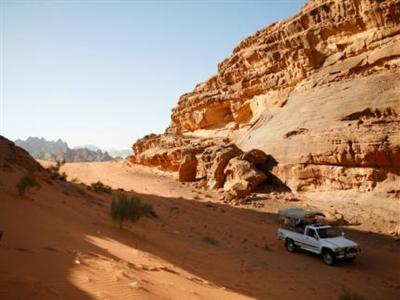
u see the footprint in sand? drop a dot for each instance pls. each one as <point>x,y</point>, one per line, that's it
<point>51,249</point>
<point>23,250</point>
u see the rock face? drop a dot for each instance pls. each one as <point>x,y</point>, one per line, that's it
<point>167,151</point>
<point>210,160</point>
<point>213,162</point>
<point>319,92</point>
<point>242,177</point>
<point>188,168</point>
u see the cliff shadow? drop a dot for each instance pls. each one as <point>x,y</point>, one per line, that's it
<point>214,245</point>
<point>246,257</point>
<point>273,182</point>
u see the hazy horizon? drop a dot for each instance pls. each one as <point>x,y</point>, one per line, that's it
<point>87,146</point>
<point>106,73</point>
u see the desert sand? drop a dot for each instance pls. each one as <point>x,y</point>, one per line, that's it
<point>60,243</point>
<point>304,113</point>
<point>376,211</point>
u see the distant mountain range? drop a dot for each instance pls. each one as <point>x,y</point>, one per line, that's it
<point>90,147</point>
<point>116,153</point>
<point>59,150</point>
<point>120,153</point>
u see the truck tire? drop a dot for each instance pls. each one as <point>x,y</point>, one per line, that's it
<point>290,245</point>
<point>328,257</point>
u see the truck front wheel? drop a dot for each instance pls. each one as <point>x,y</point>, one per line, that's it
<point>290,246</point>
<point>328,257</point>
<point>351,259</point>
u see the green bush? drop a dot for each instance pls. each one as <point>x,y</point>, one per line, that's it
<point>54,171</point>
<point>101,187</point>
<point>130,208</point>
<point>26,182</point>
<point>348,295</point>
<point>75,180</point>
<point>210,240</point>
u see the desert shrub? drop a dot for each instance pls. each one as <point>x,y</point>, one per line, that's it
<point>130,208</point>
<point>75,180</point>
<point>54,171</point>
<point>349,295</point>
<point>210,240</point>
<point>26,182</point>
<point>101,187</point>
<point>63,176</point>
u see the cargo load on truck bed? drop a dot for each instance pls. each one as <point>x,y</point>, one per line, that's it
<point>297,218</point>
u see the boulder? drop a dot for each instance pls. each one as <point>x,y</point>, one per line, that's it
<point>255,156</point>
<point>242,177</point>
<point>213,161</point>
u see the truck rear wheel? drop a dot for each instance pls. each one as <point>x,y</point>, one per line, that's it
<point>328,257</point>
<point>290,245</point>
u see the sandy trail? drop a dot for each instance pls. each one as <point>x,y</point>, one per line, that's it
<point>59,243</point>
<point>375,211</point>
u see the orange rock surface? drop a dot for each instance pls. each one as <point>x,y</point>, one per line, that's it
<point>319,92</point>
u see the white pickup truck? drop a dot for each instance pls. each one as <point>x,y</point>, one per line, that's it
<point>317,238</point>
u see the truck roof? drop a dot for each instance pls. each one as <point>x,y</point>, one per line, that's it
<point>319,226</point>
<point>299,213</point>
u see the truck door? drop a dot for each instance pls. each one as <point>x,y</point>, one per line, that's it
<point>311,240</point>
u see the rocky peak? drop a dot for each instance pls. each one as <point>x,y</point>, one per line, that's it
<point>59,150</point>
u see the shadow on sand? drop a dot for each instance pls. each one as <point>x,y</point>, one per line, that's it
<point>247,258</point>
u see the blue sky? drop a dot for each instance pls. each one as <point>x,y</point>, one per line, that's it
<point>109,72</point>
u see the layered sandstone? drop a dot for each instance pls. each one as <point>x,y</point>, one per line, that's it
<point>319,92</point>
<point>241,178</point>
<point>213,161</point>
<point>168,151</point>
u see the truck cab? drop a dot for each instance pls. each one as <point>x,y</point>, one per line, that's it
<point>300,230</point>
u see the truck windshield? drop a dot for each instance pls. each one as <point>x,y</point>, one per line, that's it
<point>327,233</point>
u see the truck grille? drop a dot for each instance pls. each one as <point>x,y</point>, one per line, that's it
<point>351,250</point>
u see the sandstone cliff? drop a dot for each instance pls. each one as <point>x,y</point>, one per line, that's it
<point>319,92</point>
